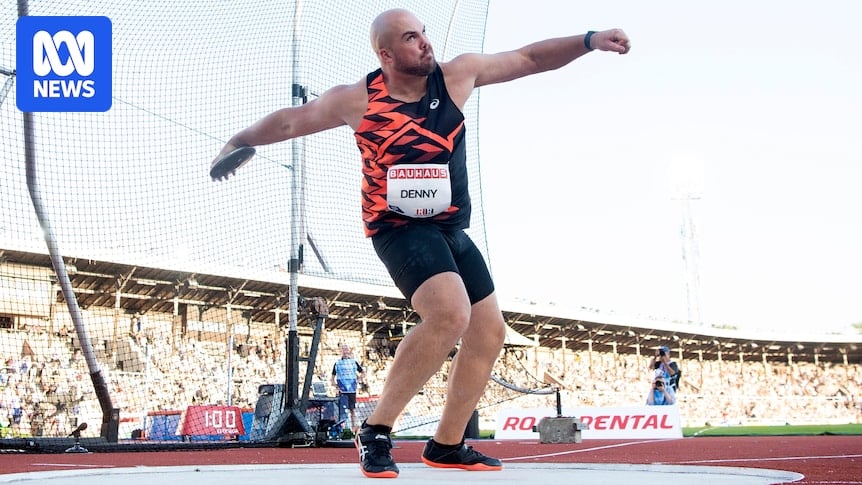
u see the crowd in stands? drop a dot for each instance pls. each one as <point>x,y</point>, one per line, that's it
<point>45,386</point>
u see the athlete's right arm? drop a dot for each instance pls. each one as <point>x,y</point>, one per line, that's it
<point>338,106</point>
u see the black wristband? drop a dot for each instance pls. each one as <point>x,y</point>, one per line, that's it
<point>587,40</point>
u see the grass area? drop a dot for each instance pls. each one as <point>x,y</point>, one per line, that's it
<point>787,430</point>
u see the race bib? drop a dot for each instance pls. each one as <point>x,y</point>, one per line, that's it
<point>419,190</point>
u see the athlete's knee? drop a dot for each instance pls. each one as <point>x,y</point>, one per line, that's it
<point>487,328</point>
<point>495,334</point>
<point>498,334</point>
<point>450,318</point>
<point>442,302</point>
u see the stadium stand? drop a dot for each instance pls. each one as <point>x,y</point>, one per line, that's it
<point>164,361</point>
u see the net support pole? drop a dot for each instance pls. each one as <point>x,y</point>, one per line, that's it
<point>293,427</point>
<point>295,263</point>
<point>110,415</point>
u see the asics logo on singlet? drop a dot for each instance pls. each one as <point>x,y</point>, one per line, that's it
<point>434,103</point>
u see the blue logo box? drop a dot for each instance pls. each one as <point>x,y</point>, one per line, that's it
<point>63,63</point>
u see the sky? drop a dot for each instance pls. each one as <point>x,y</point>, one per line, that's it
<point>754,107</point>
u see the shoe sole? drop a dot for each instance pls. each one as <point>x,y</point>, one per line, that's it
<point>383,474</point>
<point>478,467</point>
<point>368,474</point>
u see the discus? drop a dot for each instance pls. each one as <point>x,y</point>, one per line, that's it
<point>228,164</point>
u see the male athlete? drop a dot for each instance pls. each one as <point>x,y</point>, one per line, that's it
<point>410,132</point>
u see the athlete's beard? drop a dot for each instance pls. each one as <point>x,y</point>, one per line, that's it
<point>422,68</point>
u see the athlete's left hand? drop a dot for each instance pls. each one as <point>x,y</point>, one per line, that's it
<point>614,40</point>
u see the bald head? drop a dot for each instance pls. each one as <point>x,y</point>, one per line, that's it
<point>398,38</point>
<point>388,24</point>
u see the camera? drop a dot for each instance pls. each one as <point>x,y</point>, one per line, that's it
<point>659,384</point>
<point>661,353</point>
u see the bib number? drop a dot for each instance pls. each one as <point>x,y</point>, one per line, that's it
<point>419,190</point>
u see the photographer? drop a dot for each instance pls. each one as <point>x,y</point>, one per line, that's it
<point>670,370</point>
<point>661,393</point>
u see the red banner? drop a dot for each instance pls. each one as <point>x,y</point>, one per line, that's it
<point>213,420</point>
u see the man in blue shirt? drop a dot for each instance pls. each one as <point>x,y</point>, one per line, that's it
<point>347,373</point>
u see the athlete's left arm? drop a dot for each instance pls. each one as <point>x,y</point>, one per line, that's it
<point>469,71</point>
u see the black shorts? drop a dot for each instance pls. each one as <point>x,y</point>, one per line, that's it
<point>417,251</point>
<point>347,400</point>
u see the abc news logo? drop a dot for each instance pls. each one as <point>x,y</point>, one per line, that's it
<point>82,55</point>
<point>64,64</point>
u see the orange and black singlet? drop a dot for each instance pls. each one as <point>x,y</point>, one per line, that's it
<point>413,158</point>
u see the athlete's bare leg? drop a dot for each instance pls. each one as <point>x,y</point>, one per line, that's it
<point>446,314</point>
<point>443,305</point>
<point>469,374</point>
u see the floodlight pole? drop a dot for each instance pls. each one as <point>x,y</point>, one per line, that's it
<point>691,258</point>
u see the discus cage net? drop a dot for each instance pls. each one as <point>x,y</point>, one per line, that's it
<point>133,288</point>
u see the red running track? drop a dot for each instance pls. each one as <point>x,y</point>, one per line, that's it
<point>821,459</point>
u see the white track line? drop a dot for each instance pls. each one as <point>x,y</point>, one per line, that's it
<point>783,458</point>
<point>584,450</point>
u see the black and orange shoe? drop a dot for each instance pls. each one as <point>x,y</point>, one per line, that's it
<point>458,456</point>
<point>375,456</point>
